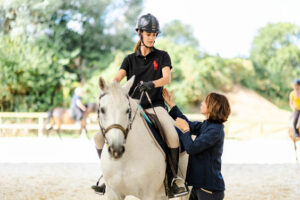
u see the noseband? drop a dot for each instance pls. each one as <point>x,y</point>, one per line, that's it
<point>126,130</point>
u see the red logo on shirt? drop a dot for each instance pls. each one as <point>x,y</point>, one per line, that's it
<point>155,65</point>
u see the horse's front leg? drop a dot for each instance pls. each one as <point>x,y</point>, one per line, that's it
<point>110,194</point>
<point>48,129</point>
<point>83,133</point>
<point>150,194</point>
<point>83,129</point>
<point>155,198</point>
<point>58,131</point>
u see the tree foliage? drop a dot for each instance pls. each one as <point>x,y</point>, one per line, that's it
<point>196,74</point>
<point>50,47</point>
<point>27,83</point>
<point>47,48</point>
<point>276,56</point>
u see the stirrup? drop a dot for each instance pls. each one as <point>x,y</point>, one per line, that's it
<point>99,189</point>
<point>185,186</point>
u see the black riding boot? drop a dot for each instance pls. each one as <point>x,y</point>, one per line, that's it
<point>296,133</point>
<point>99,189</point>
<point>176,190</point>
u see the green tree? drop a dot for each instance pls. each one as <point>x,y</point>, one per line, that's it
<point>195,74</point>
<point>30,76</point>
<point>78,28</point>
<point>272,38</point>
<point>66,42</point>
<point>276,56</point>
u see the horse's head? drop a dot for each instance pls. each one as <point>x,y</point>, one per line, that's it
<point>115,115</point>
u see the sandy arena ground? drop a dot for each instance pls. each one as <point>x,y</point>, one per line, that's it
<point>50,169</point>
<point>72,181</point>
<point>259,165</point>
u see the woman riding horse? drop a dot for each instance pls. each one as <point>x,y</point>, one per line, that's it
<point>77,113</point>
<point>152,70</point>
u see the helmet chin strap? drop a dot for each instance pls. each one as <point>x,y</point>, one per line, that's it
<point>141,38</point>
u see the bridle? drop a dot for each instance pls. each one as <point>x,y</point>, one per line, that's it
<point>126,130</point>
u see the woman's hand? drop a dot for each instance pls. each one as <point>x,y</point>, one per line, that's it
<point>182,125</point>
<point>168,97</point>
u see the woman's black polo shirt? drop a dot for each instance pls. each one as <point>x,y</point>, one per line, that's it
<point>147,68</point>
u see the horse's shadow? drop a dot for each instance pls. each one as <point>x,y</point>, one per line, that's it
<point>59,116</point>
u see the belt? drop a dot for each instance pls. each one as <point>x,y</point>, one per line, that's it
<point>210,191</point>
<point>207,191</point>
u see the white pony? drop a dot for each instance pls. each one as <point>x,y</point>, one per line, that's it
<point>132,163</point>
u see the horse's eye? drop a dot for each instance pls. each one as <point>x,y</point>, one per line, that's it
<point>127,111</point>
<point>102,110</point>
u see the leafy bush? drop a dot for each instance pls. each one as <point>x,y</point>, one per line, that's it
<point>30,76</point>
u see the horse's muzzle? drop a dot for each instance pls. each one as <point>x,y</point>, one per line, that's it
<point>116,151</point>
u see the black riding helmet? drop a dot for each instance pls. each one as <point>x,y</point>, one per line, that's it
<point>148,23</point>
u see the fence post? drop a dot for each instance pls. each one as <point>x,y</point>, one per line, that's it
<point>40,131</point>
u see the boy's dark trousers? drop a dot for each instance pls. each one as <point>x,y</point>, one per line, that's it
<point>200,194</point>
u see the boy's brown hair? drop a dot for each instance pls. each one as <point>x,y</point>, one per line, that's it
<point>218,107</point>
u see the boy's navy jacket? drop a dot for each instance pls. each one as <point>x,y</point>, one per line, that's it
<point>204,166</point>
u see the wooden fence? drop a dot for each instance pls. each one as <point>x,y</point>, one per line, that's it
<point>39,126</point>
<point>232,127</point>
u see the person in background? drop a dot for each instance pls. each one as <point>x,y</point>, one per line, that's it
<point>77,107</point>
<point>205,152</point>
<point>295,105</point>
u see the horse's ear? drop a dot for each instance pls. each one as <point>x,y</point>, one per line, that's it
<point>128,84</point>
<point>102,84</point>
